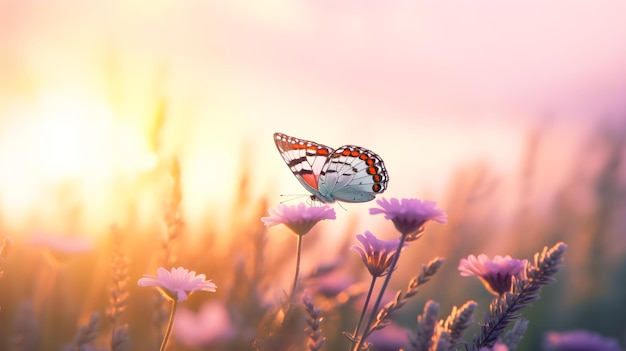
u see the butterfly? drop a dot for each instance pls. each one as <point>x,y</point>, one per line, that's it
<point>349,174</point>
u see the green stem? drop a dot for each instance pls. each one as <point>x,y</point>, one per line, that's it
<point>169,325</point>
<point>298,257</point>
<point>366,331</point>
<point>367,301</point>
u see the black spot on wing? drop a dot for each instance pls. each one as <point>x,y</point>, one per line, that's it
<point>296,161</point>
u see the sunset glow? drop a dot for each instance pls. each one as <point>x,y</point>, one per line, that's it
<point>145,129</point>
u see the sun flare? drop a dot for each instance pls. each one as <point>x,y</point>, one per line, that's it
<point>67,138</point>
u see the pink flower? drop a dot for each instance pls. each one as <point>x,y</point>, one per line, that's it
<point>410,215</point>
<point>376,254</point>
<point>336,284</point>
<point>390,338</point>
<point>62,244</point>
<point>578,340</point>
<point>60,249</point>
<point>210,324</point>
<point>178,283</point>
<point>495,274</point>
<point>299,218</point>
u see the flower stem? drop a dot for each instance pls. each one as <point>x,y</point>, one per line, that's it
<point>367,301</point>
<point>298,257</point>
<point>170,322</point>
<point>366,331</point>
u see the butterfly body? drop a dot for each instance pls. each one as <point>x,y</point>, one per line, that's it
<point>350,173</point>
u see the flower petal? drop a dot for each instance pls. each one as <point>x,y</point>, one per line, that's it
<point>409,215</point>
<point>299,218</point>
<point>495,273</point>
<point>178,282</point>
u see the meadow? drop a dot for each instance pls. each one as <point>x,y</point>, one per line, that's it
<point>136,139</point>
<point>65,291</point>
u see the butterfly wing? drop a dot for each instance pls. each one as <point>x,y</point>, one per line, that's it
<point>353,174</point>
<point>306,160</point>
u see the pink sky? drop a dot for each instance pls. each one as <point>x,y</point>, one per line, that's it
<point>427,85</point>
<point>445,56</point>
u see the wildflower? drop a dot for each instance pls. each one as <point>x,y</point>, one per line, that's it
<point>299,218</point>
<point>177,283</point>
<point>62,244</point>
<point>376,254</point>
<point>392,337</point>
<point>578,340</point>
<point>410,215</point>
<point>60,249</point>
<point>380,257</point>
<point>505,308</point>
<point>211,324</point>
<point>495,274</point>
<point>338,285</point>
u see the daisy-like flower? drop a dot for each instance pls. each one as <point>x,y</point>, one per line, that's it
<point>380,258</point>
<point>495,274</point>
<point>299,218</point>
<point>177,283</point>
<point>376,254</point>
<point>578,340</point>
<point>410,215</point>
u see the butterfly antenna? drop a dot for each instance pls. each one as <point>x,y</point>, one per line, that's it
<point>292,197</point>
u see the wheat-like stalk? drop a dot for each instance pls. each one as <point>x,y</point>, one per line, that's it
<point>118,292</point>
<point>172,218</point>
<point>87,334</point>
<point>428,271</point>
<point>459,320</point>
<point>313,320</point>
<point>423,339</point>
<point>505,308</point>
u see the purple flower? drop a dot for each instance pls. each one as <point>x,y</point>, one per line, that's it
<point>495,274</point>
<point>578,340</point>
<point>299,218</point>
<point>410,215</point>
<point>178,283</point>
<point>211,324</point>
<point>392,337</point>
<point>336,284</point>
<point>376,254</point>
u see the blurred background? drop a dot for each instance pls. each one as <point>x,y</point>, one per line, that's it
<point>511,115</point>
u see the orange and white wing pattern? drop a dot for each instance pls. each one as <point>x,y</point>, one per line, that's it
<point>349,174</point>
